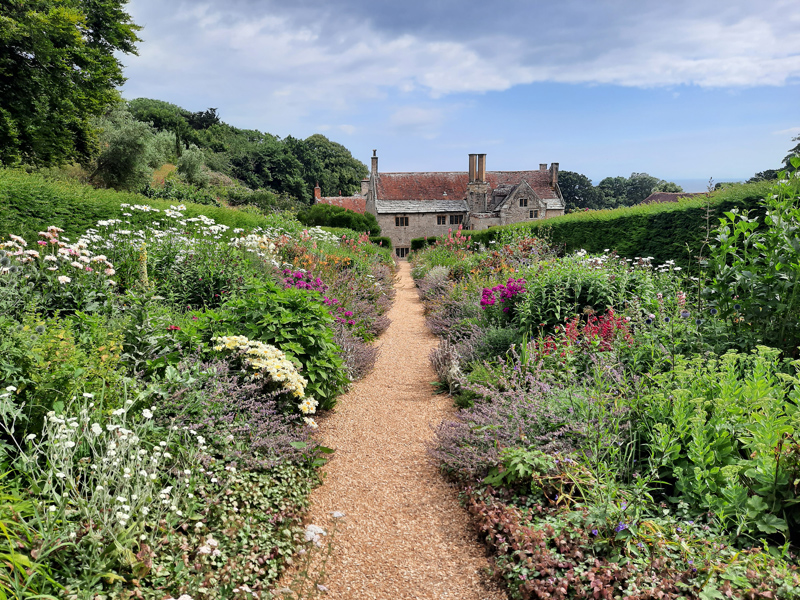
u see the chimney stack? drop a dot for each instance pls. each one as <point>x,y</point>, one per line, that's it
<point>472,160</point>
<point>317,192</point>
<point>481,167</point>
<point>553,174</point>
<point>543,166</point>
<point>375,162</point>
<point>364,186</point>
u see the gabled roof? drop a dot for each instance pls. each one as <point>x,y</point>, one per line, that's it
<point>432,186</point>
<point>411,206</point>
<point>354,203</point>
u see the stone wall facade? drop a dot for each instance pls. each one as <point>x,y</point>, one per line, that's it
<point>419,225</point>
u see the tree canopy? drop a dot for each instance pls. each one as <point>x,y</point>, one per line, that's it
<point>58,69</point>
<point>287,166</point>
<point>611,192</point>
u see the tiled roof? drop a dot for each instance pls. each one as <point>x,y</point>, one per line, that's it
<point>432,186</point>
<point>669,196</point>
<point>355,203</point>
<point>411,206</point>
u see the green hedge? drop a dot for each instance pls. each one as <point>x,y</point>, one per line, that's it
<point>663,230</point>
<point>420,243</point>
<point>375,239</point>
<point>29,203</point>
<point>383,242</point>
<point>327,215</point>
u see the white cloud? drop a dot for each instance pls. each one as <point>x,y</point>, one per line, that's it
<point>788,131</point>
<point>280,63</point>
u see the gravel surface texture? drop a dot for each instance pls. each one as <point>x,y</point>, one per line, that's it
<point>403,535</point>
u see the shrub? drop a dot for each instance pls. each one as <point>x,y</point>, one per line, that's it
<point>190,167</point>
<point>722,432</point>
<point>328,215</point>
<point>383,242</point>
<point>293,322</point>
<point>755,271</point>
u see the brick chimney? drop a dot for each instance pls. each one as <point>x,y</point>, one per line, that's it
<point>472,161</point>
<point>543,166</point>
<point>364,186</point>
<point>317,192</point>
<point>481,167</point>
<point>375,162</point>
<point>553,174</point>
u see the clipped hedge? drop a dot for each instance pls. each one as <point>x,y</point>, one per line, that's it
<point>327,215</point>
<point>383,242</point>
<point>420,243</point>
<point>30,203</point>
<point>665,231</point>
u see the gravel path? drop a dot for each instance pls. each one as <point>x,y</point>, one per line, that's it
<point>404,535</point>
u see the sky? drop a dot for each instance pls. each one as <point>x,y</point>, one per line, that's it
<point>685,90</point>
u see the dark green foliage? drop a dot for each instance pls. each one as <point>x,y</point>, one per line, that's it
<point>662,231</point>
<point>327,215</point>
<point>420,243</point>
<point>328,164</point>
<point>259,160</point>
<point>578,191</point>
<point>383,242</point>
<point>58,68</point>
<point>292,320</point>
<point>165,116</point>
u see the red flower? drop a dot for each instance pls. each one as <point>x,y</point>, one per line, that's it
<point>174,328</point>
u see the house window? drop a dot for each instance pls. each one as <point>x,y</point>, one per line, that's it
<point>401,221</point>
<point>534,214</point>
<point>441,220</point>
<point>401,252</point>
<point>456,219</point>
<point>523,202</point>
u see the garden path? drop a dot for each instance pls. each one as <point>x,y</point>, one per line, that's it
<point>404,535</point>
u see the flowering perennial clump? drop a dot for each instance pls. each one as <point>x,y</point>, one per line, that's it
<point>264,360</point>
<point>502,293</point>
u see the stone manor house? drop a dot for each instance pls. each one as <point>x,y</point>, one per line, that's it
<point>413,205</point>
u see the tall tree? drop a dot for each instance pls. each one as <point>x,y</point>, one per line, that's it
<point>58,68</point>
<point>328,163</point>
<point>667,186</point>
<point>578,191</point>
<point>614,190</point>
<point>639,187</point>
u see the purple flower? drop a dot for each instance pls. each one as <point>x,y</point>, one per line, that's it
<point>621,527</point>
<point>594,531</point>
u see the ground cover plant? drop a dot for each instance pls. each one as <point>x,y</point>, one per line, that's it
<point>160,372</point>
<point>626,429</point>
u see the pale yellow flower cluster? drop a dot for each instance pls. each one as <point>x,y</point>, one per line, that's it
<point>268,361</point>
